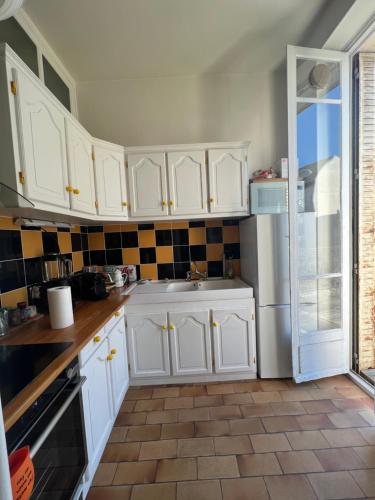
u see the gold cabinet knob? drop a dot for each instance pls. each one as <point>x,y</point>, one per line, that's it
<point>76,191</point>
<point>69,189</point>
<point>171,202</point>
<point>164,203</point>
<point>215,324</point>
<point>124,203</point>
<point>164,327</point>
<point>113,351</point>
<point>97,338</point>
<point>171,327</point>
<point>211,200</point>
<point>109,357</point>
<point>117,314</point>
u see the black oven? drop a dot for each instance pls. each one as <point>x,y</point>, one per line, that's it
<point>53,429</point>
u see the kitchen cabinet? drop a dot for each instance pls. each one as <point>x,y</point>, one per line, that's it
<point>148,344</point>
<point>110,179</point>
<point>118,364</point>
<point>147,177</point>
<point>187,180</point>
<point>81,169</point>
<point>228,180</point>
<point>234,339</point>
<point>42,143</point>
<point>190,340</point>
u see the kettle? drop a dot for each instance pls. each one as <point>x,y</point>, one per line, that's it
<point>56,266</point>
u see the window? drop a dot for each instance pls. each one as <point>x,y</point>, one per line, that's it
<point>15,36</point>
<point>55,84</point>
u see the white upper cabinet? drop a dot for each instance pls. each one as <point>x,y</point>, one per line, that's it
<point>228,180</point>
<point>147,177</point>
<point>110,179</point>
<point>187,177</point>
<point>81,168</point>
<point>42,143</point>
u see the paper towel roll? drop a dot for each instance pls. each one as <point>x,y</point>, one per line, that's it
<point>60,307</point>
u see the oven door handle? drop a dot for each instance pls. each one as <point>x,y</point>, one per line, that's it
<point>47,431</point>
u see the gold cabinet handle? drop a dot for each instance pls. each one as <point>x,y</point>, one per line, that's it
<point>117,314</point>
<point>164,327</point>
<point>171,327</point>
<point>109,357</point>
<point>164,203</point>
<point>124,203</point>
<point>211,200</point>
<point>97,338</point>
<point>69,189</point>
<point>113,351</point>
<point>215,324</point>
<point>171,202</point>
<point>76,191</point>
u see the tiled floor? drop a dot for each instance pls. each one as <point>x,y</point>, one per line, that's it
<point>257,440</point>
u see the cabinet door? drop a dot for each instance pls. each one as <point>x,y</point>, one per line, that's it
<point>119,363</point>
<point>187,182</point>
<point>147,176</point>
<point>81,169</point>
<point>190,342</point>
<point>148,345</point>
<point>110,181</point>
<point>97,403</point>
<point>41,131</point>
<point>228,180</point>
<point>234,339</point>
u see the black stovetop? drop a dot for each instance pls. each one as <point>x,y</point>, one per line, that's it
<point>20,364</point>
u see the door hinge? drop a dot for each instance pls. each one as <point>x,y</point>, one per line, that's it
<point>21,178</point>
<point>252,316</point>
<point>93,156</point>
<point>254,360</point>
<point>96,204</point>
<point>13,87</point>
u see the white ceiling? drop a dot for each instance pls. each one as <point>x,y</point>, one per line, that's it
<point>369,45</point>
<point>116,39</point>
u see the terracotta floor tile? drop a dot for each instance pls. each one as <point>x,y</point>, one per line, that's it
<point>193,390</point>
<point>299,462</point>
<point>266,397</point>
<point>165,448</point>
<point>118,434</point>
<point>341,438</point>
<point>130,419</point>
<point>249,488</point>
<point>343,420</point>
<point>175,431</point>
<point>199,490</point>
<point>217,467</point>
<point>307,440</point>
<point>110,492</point>
<point>177,403</point>
<point>149,405</point>
<point>193,415</point>
<point>314,422</point>
<point>201,401</point>
<point>368,416</point>
<point>263,443</point>
<point>338,381</point>
<point>232,445</point>
<point>296,487</point>
<point>352,392</point>
<point>321,406</point>
<point>143,433</point>
<point>247,387</point>
<point>196,447</point>
<point>366,454</point>
<point>329,485</point>
<point>366,480</point>
<point>212,428</point>
<point>127,407</point>
<point>220,389</point>
<point>224,412</point>
<point>288,408</point>
<point>166,491</point>
<point>368,433</point>
<point>246,426</point>
<point>133,394</point>
<point>177,469</point>
<point>280,424</point>
<point>339,459</point>
<point>104,474</point>
<point>302,385</point>
<point>319,394</point>
<point>162,417</point>
<point>257,410</point>
<point>350,404</point>
<point>121,452</point>
<point>135,472</point>
<point>274,385</point>
<point>166,392</point>
<point>241,398</point>
<point>296,395</point>
<point>258,464</point>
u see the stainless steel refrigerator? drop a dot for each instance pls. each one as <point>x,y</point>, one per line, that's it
<point>265,266</point>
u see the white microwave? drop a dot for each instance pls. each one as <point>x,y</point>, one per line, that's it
<point>271,197</point>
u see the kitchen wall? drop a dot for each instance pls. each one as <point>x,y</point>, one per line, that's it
<point>20,251</point>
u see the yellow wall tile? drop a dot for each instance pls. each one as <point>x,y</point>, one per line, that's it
<point>163,225</point>
<point>129,227</point>
<point>231,234</point>
<point>149,272</point>
<point>146,238</point>
<point>11,299</point>
<point>201,266</point>
<point>197,236</point>
<point>215,251</point>
<point>180,224</point>
<point>65,242</point>
<point>77,258</point>
<point>7,223</point>
<point>96,241</point>
<point>32,244</point>
<point>214,222</point>
<point>75,229</point>
<point>112,228</point>
<point>130,255</point>
<point>164,255</point>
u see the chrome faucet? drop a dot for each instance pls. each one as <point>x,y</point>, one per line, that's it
<point>195,272</point>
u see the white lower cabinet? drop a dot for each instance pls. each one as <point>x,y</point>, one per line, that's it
<point>119,364</point>
<point>190,340</point>
<point>148,344</point>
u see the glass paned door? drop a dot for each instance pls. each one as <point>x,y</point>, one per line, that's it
<point>318,121</point>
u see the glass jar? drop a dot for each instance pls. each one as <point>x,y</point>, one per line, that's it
<point>4,322</point>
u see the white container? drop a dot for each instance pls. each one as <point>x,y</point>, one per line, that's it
<point>284,168</point>
<point>119,281</point>
<point>60,307</point>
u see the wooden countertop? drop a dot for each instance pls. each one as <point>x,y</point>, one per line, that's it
<point>89,318</point>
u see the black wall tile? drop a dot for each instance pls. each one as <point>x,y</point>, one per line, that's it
<point>147,255</point>
<point>112,240</point>
<point>86,259</point>
<point>97,257</point>
<point>165,271</point>
<point>214,234</point>
<point>50,243</point>
<point>84,241</point>
<point>197,223</point>
<point>232,250</point>
<point>231,222</point>
<point>142,227</point>
<point>76,242</point>
<point>114,257</point>
<point>180,269</point>
<point>63,230</point>
<point>10,245</point>
<point>215,268</point>
<point>95,229</point>
<point>198,252</point>
<point>12,275</point>
<point>129,239</point>
<point>180,236</point>
<point>181,254</point>
<point>83,229</point>
<point>163,237</point>
<point>33,270</point>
